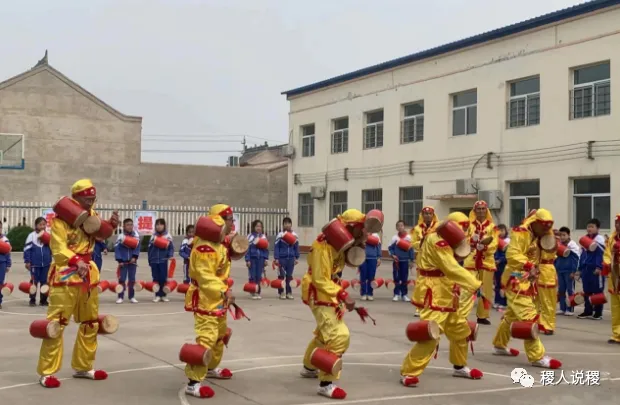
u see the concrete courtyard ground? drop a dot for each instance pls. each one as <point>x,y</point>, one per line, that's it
<point>265,355</point>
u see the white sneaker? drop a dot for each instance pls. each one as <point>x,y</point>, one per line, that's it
<point>560,312</point>
<point>569,313</point>
<point>406,299</point>
<point>305,373</point>
<point>396,298</point>
<point>282,296</point>
<point>370,298</point>
<point>417,314</point>
<point>547,362</point>
<point>290,297</point>
<point>157,299</point>
<point>165,299</point>
<point>133,301</point>
<point>199,391</point>
<point>466,372</point>
<point>258,297</point>
<point>364,298</point>
<point>119,301</point>
<point>332,391</point>
<point>254,296</point>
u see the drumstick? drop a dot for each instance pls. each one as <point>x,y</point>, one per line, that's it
<point>363,313</point>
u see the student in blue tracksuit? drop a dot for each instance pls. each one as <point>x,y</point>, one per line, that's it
<point>37,258</point>
<point>256,259</point>
<point>590,267</point>
<point>5,262</point>
<point>127,259</point>
<point>158,259</point>
<point>403,261</point>
<point>186,250</point>
<point>286,257</point>
<point>368,269</point>
<point>566,267</point>
<point>101,248</point>
<point>500,262</point>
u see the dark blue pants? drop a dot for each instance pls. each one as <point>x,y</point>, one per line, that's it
<point>400,274</point>
<point>566,287</point>
<point>2,275</point>
<point>99,262</point>
<point>497,277</point>
<point>257,265</point>
<point>159,271</point>
<point>368,270</point>
<point>186,279</point>
<point>38,275</point>
<point>128,271</point>
<point>592,284</point>
<point>287,266</point>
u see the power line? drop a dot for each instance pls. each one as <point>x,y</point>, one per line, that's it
<point>208,136</point>
<point>192,140</point>
<point>190,151</point>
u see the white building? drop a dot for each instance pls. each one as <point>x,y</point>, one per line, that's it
<point>520,116</point>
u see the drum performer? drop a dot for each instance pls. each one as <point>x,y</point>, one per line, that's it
<point>611,268</point>
<point>547,292</point>
<point>441,280</point>
<point>481,262</point>
<point>73,279</point>
<point>427,220</point>
<point>523,256</point>
<point>328,301</point>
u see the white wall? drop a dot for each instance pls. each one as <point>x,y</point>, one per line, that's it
<point>441,158</point>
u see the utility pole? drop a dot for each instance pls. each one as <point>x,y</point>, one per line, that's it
<point>244,144</point>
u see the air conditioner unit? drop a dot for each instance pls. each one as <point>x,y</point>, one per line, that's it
<point>492,197</point>
<point>288,151</point>
<point>466,186</point>
<point>317,192</point>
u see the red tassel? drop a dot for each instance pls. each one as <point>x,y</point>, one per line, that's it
<point>239,313</point>
<point>363,313</point>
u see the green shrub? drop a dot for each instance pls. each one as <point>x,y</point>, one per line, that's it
<point>17,236</point>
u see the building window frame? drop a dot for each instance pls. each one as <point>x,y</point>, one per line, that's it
<point>594,96</point>
<point>594,197</point>
<point>412,124</point>
<point>469,110</point>
<point>372,199</point>
<point>308,147</point>
<point>373,131</point>
<point>340,136</point>
<point>305,210</point>
<point>338,202</point>
<point>527,200</point>
<point>526,105</point>
<point>416,204</point>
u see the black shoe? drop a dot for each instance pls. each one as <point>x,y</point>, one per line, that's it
<point>0,306</point>
<point>548,332</point>
<point>597,317</point>
<point>613,342</point>
<point>583,315</point>
<point>32,304</point>
<point>482,321</point>
<point>43,304</point>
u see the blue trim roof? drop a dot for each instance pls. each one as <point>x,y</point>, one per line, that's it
<point>499,33</point>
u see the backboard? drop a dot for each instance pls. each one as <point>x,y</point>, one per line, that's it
<point>12,151</point>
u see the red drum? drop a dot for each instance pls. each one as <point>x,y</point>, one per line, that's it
<point>130,242</point>
<point>355,256</point>
<point>105,230</point>
<point>524,330</point>
<point>45,289</point>
<point>563,250</point>
<point>108,324</point>
<point>251,288</point>
<point>295,283</point>
<point>27,288</point>
<point>326,361</point>
<point>7,289</point>
<point>473,328</point>
<point>103,285</point>
<point>262,243</point>
<point>238,247</point>
<point>372,240</point>
<point>183,288</point>
<point>195,355</point>
<point>374,221</point>
<point>265,282</point>
<point>138,286</point>
<point>501,244</point>
<point>587,243</point>
<point>598,299</point>
<point>278,284</point>
<point>355,284</point>
<point>207,229</point>
<point>389,283</point>
<point>5,248</point>
<point>92,225</point>
<point>345,284</point>
<point>45,329</point>
<point>452,233</point>
<point>161,242</point>
<point>337,235</point>
<point>170,286</point>
<point>230,282</point>
<point>549,242</point>
<point>115,288</point>
<point>575,300</point>
<point>377,282</point>
<point>70,211</point>
<point>152,286</point>
<point>44,237</point>
<point>422,331</point>
<point>289,238</point>
<point>227,336</point>
<point>403,244</point>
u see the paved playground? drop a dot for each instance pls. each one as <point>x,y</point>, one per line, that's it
<point>265,356</point>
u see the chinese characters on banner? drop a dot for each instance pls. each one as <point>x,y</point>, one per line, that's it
<point>144,222</point>
<point>48,214</point>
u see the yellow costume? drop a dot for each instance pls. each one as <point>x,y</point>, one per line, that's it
<point>547,288</point>
<point>481,262</point>
<point>611,259</point>
<point>523,256</point>
<point>418,233</point>
<point>436,293</point>
<point>70,295</point>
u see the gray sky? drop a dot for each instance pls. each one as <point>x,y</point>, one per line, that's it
<point>207,67</point>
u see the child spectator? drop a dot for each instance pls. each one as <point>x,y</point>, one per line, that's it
<point>368,270</point>
<point>257,256</point>
<point>5,262</point>
<point>37,258</point>
<point>402,253</point>
<point>590,267</point>
<point>101,248</point>
<point>566,268</point>
<point>127,259</point>
<point>158,256</point>
<point>186,250</point>
<point>500,262</point>
<point>286,257</point>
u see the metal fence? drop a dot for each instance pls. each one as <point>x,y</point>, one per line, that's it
<point>15,213</point>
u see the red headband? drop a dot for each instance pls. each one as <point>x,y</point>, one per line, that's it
<point>480,204</point>
<point>226,213</point>
<point>89,192</point>
<point>428,210</point>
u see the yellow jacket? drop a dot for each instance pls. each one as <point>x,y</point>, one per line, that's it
<point>522,256</point>
<point>607,259</point>
<point>440,276</point>
<point>482,259</point>
<point>548,277</point>
<point>209,268</point>
<point>69,245</point>
<point>318,286</point>
<point>419,232</point>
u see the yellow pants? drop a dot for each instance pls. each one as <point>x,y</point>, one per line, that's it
<point>520,308</point>
<point>330,334</point>
<point>456,329</point>
<point>467,300</point>
<point>210,330</point>
<point>63,303</point>
<point>615,316</point>
<point>546,302</point>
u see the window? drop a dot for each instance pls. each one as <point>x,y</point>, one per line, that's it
<point>465,113</point>
<point>340,135</point>
<point>306,210</point>
<point>591,94</point>
<point>372,199</point>
<point>524,104</point>
<point>307,140</point>
<point>524,197</point>
<point>410,204</point>
<point>591,200</point>
<point>373,132</point>
<point>337,203</point>
<point>412,128</point>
